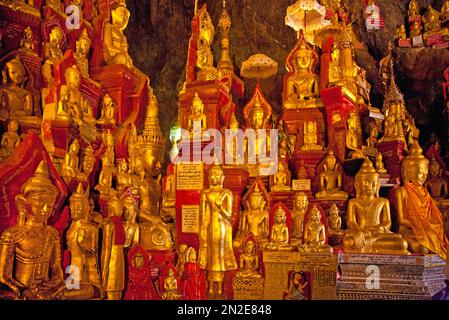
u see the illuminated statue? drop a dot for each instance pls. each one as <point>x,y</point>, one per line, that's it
<point>331,179</point>
<point>281,179</point>
<point>107,115</point>
<point>311,137</point>
<point>82,53</point>
<point>197,119</point>
<point>27,41</point>
<point>334,221</point>
<point>315,234</point>
<point>380,168</point>
<point>171,286</point>
<point>249,261</point>
<point>52,52</point>
<point>300,205</point>
<point>10,139</point>
<point>70,167</point>
<point>279,236</point>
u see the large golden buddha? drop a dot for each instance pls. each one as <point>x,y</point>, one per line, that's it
<point>369,219</point>
<point>420,220</point>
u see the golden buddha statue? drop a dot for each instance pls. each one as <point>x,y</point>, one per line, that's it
<point>302,170</point>
<point>132,228</point>
<point>171,286</point>
<point>401,33</point>
<point>27,41</point>
<point>10,139</point>
<point>372,140</point>
<point>311,137</point>
<point>369,219</point>
<point>115,44</point>
<point>380,167</point>
<point>109,141</point>
<point>30,252</point>
<point>282,178</point>
<point>304,84</point>
<point>431,20</point>
<point>232,149</point>
<point>249,262</point>
<point>70,167</point>
<point>81,54</point>
<point>300,205</point>
<point>254,219</point>
<point>197,120</point>
<point>82,243</point>
<point>437,185</point>
<point>335,73</point>
<point>331,179</point>
<point>143,189</point>
<point>104,185</point>
<point>445,12</point>
<point>16,102</point>
<point>52,52</point>
<point>334,221</point>
<point>204,57</point>
<point>413,9</point>
<point>279,236</point>
<point>315,234</point>
<point>107,115</point>
<point>123,178</point>
<point>353,135</point>
<point>216,252</point>
<point>87,164</point>
<point>112,255</point>
<point>417,29</point>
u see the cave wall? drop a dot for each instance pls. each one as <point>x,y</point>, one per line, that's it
<point>159,31</point>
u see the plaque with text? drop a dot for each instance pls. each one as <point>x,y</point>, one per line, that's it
<point>189,176</point>
<point>190,219</point>
<point>301,185</point>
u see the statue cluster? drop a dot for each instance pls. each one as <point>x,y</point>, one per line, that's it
<point>344,170</point>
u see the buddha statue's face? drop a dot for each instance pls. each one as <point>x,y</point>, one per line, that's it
<point>120,17</point>
<point>56,35</point>
<point>123,167</point>
<point>105,161</point>
<point>417,173</point>
<point>192,256</point>
<point>129,211</point>
<point>16,73</point>
<point>249,247</point>
<point>315,214</point>
<point>170,272</point>
<point>152,162</point>
<point>331,162</point>
<point>40,205</point>
<point>73,79</point>
<point>255,201</point>
<point>197,107</point>
<point>257,119</point>
<point>280,217</point>
<point>368,184</point>
<point>83,46</point>
<point>78,208</point>
<point>303,59</point>
<point>216,177</point>
<point>13,126</point>
<point>333,212</point>
<point>310,127</point>
<point>434,169</point>
<point>107,100</point>
<point>88,164</point>
<point>335,55</point>
<point>281,167</point>
<point>28,33</point>
<point>138,261</point>
<point>301,202</point>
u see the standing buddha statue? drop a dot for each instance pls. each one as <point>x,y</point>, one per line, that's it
<point>131,227</point>
<point>353,137</point>
<point>52,52</point>
<point>70,167</point>
<point>193,280</point>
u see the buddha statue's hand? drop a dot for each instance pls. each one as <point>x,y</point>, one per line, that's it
<point>359,239</point>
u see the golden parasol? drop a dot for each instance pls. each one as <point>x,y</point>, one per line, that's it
<point>259,66</point>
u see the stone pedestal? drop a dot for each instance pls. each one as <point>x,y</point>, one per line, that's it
<point>392,152</point>
<point>247,288</point>
<point>390,277</point>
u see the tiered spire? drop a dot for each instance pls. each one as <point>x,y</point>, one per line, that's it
<point>225,63</point>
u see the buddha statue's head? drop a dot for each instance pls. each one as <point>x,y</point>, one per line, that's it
<point>257,115</point>
<point>120,17</point>
<point>72,77</point>
<point>330,161</point>
<point>367,181</point>
<point>197,104</point>
<point>434,168</point>
<point>83,44</point>
<point>16,71</point>
<point>334,211</point>
<point>415,166</point>
<point>37,196</point>
<point>105,161</point>
<point>249,247</point>
<point>304,58</point>
<point>170,273</point>
<point>115,206</point>
<point>129,208</point>
<point>315,214</point>
<point>13,126</point>
<point>28,33</point>
<point>216,176</point>
<point>191,254</point>
<point>122,165</point>
<point>56,35</point>
<point>301,202</point>
<point>79,205</point>
<point>281,167</point>
<point>152,162</point>
<point>107,100</point>
<point>256,200</point>
<point>335,54</point>
<point>280,216</point>
<point>88,160</point>
<point>138,261</point>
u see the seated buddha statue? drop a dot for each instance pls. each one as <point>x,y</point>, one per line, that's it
<point>368,218</point>
<point>300,206</point>
<point>331,179</point>
<point>107,115</point>
<point>315,234</point>
<point>380,167</point>
<point>304,84</point>
<point>16,102</point>
<point>249,262</point>
<point>281,179</point>
<point>70,167</point>
<point>311,137</point>
<point>27,41</point>
<point>334,222</point>
<point>10,139</point>
<point>279,236</point>
<point>104,185</point>
<point>115,44</point>
<point>437,185</point>
<point>431,20</point>
<point>254,219</point>
<point>372,140</point>
<point>30,252</point>
<point>123,178</point>
<point>171,286</point>
<point>82,48</point>
<point>413,9</point>
<point>197,120</point>
<point>401,33</point>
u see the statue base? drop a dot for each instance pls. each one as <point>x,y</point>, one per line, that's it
<point>247,288</point>
<point>405,43</point>
<point>399,277</point>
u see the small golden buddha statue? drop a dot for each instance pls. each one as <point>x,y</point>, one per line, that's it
<point>431,20</point>
<point>369,219</point>
<point>107,115</point>
<point>335,73</point>
<point>331,179</point>
<point>300,205</point>
<point>52,52</point>
<point>143,189</point>
<point>334,221</point>
<point>132,228</point>
<point>81,54</point>
<point>16,102</point>
<point>413,9</point>
<point>10,139</point>
<point>417,29</point>
<point>401,33</point>
<point>87,164</point>
<point>216,252</point>
<point>254,219</point>
<point>27,41</point>
<point>249,262</point>
<point>311,137</point>
<point>302,170</point>
<point>112,254</point>
<point>70,167</point>
<point>115,44</point>
<point>197,120</point>
<point>380,167</point>
<point>279,236</point>
<point>109,141</point>
<point>282,178</point>
<point>204,57</point>
<point>30,252</point>
<point>437,185</point>
<point>82,243</point>
<point>171,286</point>
<point>124,179</point>
<point>304,84</point>
<point>104,185</point>
<point>315,234</point>
<point>373,137</point>
<point>352,137</point>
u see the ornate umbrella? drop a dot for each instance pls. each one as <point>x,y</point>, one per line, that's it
<point>259,66</point>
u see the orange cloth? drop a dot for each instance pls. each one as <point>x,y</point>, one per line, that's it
<point>426,220</point>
